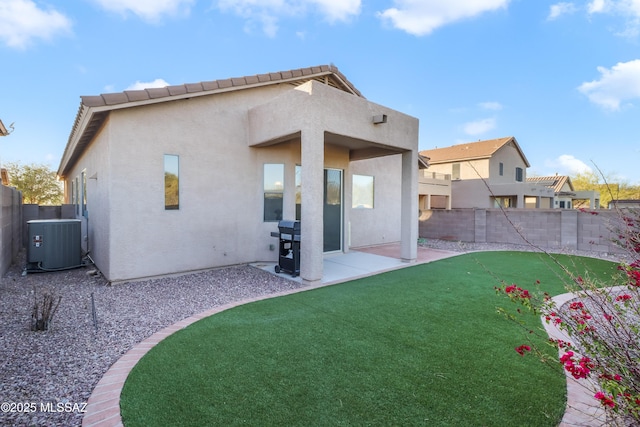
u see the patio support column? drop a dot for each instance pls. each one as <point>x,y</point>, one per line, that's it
<point>312,214</point>
<point>409,209</point>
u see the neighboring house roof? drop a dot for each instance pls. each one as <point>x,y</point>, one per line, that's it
<point>94,109</point>
<point>556,182</point>
<point>423,162</point>
<point>3,130</point>
<point>471,151</point>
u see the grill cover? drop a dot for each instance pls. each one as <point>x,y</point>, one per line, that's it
<point>289,227</point>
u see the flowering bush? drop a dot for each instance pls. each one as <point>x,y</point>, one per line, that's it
<point>603,323</point>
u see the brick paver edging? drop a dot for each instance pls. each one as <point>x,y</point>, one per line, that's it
<point>103,406</point>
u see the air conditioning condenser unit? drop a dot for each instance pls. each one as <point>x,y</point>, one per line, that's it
<point>54,244</point>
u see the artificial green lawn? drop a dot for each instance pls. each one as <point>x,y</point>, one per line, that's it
<point>417,346</point>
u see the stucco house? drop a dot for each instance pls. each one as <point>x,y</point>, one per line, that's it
<point>566,196</point>
<point>196,176</point>
<point>488,174</point>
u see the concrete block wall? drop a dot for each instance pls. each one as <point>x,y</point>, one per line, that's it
<point>10,226</point>
<point>455,224</point>
<point>596,230</point>
<point>546,228</point>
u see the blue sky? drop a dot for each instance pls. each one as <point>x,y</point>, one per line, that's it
<point>562,77</point>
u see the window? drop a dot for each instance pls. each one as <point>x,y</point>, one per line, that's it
<point>84,193</point>
<point>519,174</point>
<point>73,192</point>
<point>76,195</point>
<point>273,191</point>
<point>504,202</point>
<point>171,182</point>
<point>362,192</point>
<point>501,167</point>
<point>455,171</point>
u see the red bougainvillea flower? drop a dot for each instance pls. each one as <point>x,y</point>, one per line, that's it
<point>566,357</point>
<point>522,349</point>
<point>578,370</point>
<point>624,297</point>
<point>605,400</point>
<point>577,305</point>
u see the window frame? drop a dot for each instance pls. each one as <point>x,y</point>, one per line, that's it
<point>357,203</point>
<point>273,191</point>
<point>519,174</point>
<point>169,168</point>
<point>455,171</point>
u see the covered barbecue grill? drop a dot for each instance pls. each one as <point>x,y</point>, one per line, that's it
<point>289,248</point>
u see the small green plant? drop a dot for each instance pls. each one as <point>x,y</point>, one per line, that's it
<point>44,308</point>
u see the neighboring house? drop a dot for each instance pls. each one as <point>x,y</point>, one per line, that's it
<point>566,197</point>
<point>624,203</point>
<point>488,174</point>
<point>434,189</point>
<point>196,176</point>
<point>3,130</point>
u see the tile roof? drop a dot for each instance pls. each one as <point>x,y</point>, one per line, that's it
<point>94,110</point>
<point>471,151</point>
<point>328,74</point>
<point>555,181</point>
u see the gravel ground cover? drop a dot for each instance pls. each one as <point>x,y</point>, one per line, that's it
<point>46,377</point>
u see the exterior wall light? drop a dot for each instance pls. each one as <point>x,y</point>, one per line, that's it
<point>380,118</point>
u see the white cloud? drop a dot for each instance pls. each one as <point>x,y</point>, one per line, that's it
<point>567,164</point>
<point>149,10</point>
<point>479,126</point>
<point>421,17</point>
<point>138,85</point>
<point>495,106</point>
<point>559,9</point>
<point>598,6</point>
<point>629,10</point>
<point>338,10</point>
<point>21,21</point>
<point>616,85</point>
<point>623,7</point>
<point>268,12</point>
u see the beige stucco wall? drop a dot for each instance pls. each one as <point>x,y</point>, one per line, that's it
<point>511,159</point>
<point>220,220</point>
<point>382,223</point>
